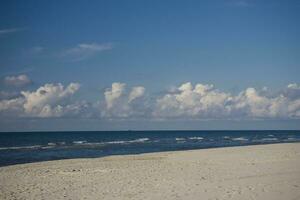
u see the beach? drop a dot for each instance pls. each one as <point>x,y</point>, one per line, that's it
<point>248,172</point>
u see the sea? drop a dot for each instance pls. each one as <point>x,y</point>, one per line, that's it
<point>27,147</point>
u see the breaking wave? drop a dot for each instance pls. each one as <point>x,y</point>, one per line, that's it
<point>240,139</point>
<point>196,138</point>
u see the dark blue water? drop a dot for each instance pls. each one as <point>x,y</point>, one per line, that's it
<point>18,148</point>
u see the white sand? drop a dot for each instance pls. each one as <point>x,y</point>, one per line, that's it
<point>253,172</point>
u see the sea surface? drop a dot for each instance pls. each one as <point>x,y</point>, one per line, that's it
<point>25,147</point>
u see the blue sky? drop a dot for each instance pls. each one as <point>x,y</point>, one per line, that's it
<point>157,45</point>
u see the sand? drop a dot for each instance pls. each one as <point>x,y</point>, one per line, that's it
<point>251,172</point>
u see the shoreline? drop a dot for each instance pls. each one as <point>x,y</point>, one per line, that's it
<point>269,171</point>
<point>154,152</point>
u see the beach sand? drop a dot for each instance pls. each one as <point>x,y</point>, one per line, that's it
<point>250,172</point>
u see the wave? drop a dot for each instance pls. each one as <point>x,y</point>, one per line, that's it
<point>61,143</point>
<point>115,142</point>
<point>196,138</point>
<point>75,143</point>
<point>139,140</point>
<point>93,143</point>
<point>240,139</point>
<point>79,142</point>
<point>179,139</point>
<point>291,138</point>
<point>269,139</point>
<point>48,147</point>
<point>21,147</point>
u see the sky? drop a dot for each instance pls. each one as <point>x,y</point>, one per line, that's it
<point>149,65</point>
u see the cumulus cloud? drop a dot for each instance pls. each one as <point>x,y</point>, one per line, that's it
<point>113,94</point>
<point>45,100</point>
<point>122,103</point>
<point>17,81</point>
<point>8,95</point>
<point>50,100</point>
<point>187,101</point>
<point>86,50</point>
<point>199,101</point>
<point>292,91</point>
<point>206,102</point>
<point>12,107</point>
<point>135,93</point>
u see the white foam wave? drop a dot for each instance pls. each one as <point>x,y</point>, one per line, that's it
<point>79,142</point>
<point>115,142</point>
<point>269,139</point>
<point>139,140</point>
<point>47,147</point>
<point>196,138</point>
<point>240,139</point>
<point>94,143</point>
<point>20,147</point>
<point>61,143</point>
<point>179,139</point>
<point>291,138</point>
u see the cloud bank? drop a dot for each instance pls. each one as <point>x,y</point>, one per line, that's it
<point>50,100</point>
<point>205,102</point>
<point>17,81</point>
<point>85,50</point>
<point>186,101</point>
<point>8,31</point>
<point>123,103</point>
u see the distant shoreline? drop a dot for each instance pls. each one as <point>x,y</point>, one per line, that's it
<point>155,152</point>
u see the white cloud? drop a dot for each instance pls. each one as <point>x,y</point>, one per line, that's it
<point>187,101</point>
<point>113,94</point>
<point>17,81</point>
<point>12,30</point>
<point>36,50</point>
<point>50,100</point>
<point>206,102</point>
<point>293,86</point>
<point>121,104</point>
<point>12,107</point>
<point>45,101</point>
<point>199,101</point>
<point>86,50</point>
<point>292,91</point>
<point>8,95</point>
<point>136,92</point>
<point>252,104</point>
<point>94,47</point>
<point>241,3</point>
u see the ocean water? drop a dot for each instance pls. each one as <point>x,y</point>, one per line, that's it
<point>16,148</point>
